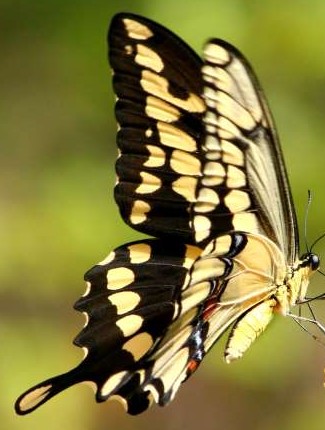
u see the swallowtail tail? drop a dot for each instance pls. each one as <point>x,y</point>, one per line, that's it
<point>200,169</point>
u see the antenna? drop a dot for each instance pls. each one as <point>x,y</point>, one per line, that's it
<point>309,198</point>
<point>316,241</point>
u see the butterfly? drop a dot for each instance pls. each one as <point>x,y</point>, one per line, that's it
<point>200,169</point>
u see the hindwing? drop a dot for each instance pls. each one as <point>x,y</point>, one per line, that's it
<point>154,309</point>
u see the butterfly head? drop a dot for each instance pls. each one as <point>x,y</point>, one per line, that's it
<point>310,261</point>
<point>307,266</point>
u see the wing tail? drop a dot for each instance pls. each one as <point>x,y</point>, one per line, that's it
<point>44,391</point>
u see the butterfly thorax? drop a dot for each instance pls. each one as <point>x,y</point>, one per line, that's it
<point>299,277</point>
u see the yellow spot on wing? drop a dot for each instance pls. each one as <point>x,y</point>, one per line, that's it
<point>148,58</point>
<point>88,288</point>
<point>202,226</point>
<point>129,324</point>
<point>86,318</point>
<point>212,143</point>
<point>237,201</point>
<point>112,383</point>
<point>207,200</point>
<point>119,277</point>
<point>139,212</point>
<point>185,186</point>
<point>150,183</point>
<point>139,253</point>
<point>148,133</point>
<point>214,169</point>
<point>184,163</point>
<point>128,49</point>
<point>232,154</point>
<point>138,345</point>
<point>136,30</point>
<point>175,138</point>
<point>156,158</point>
<point>245,222</point>
<point>204,206</point>
<point>161,110</point>
<point>124,301</point>
<point>34,397</point>
<point>235,177</point>
<point>223,244</point>
<point>214,174</point>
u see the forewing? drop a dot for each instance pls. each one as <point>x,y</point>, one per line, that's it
<point>158,84</point>
<point>241,143</point>
<point>199,154</point>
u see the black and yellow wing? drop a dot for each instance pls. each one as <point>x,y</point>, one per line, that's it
<point>153,310</point>
<point>199,168</point>
<point>199,155</point>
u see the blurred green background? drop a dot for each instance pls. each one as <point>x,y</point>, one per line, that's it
<point>58,217</point>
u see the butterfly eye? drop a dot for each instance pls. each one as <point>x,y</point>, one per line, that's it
<point>314,261</point>
<point>310,259</point>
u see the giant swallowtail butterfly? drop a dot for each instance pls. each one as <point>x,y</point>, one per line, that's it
<point>200,169</point>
